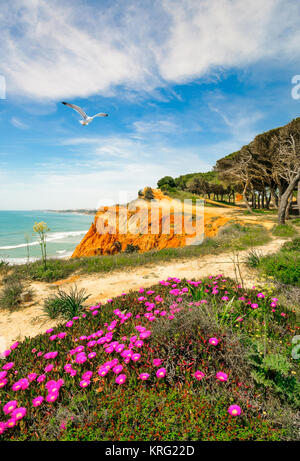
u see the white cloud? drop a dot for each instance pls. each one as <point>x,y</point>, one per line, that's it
<point>69,49</point>
<point>18,123</point>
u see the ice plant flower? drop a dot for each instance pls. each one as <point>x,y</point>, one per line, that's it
<point>37,401</point>
<point>48,368</point>
<point>157,362</point>
<point>221,376</point>
<point>121,379</point>
<point>19,413</point>
<point>161,373</point>
<point>144,376</point>
<point>2,427</point>
<point>234,410</point>
<point>10,406</point>
<point>199,375</point>
<point>213,341</point>
<point>51,397</point>
<point>8,366</point>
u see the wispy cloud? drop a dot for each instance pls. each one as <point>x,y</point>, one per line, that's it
<point>18,123</point>
<point>70,49</point>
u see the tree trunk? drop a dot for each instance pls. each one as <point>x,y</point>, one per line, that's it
<point>287,210</point>
<point>246,200</point>
<point>273,197</point>
<point>284,199</point>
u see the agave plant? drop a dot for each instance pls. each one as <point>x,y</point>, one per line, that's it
<point>66,305</point>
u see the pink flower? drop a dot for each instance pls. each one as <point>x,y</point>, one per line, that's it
<point>136,357</point>
<point>32,376</point>
<point>8,366</point>
<point>87,375</point>
<point>221,376</point>
<point>144,376</point>
<point>3,383</point>
<point>213,341</point>
<point>254,306</point>
<point>120,379</point>
<point>51,397</point>
<point>69,324</point>
<point>199,375</point>
<point>2,427</point>
<point>14,345</point>
<point>48,368</point>
<point>117,369</point>
<point>157,362</point>
<point>11,422</point>
<point>37,401</point>
<point>234,410</point>
<point>10,406</point>
<point>17,386</point>
<point>92,355</point>
<point>41,378</point>
<point>84,383</point>
<point>161,372</point>
<point>3,374</point>
<point>19,413</point>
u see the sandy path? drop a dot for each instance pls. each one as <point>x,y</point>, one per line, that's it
<point>29,321</point>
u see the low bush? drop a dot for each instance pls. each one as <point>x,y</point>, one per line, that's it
<point>284,230</point>
<point>66,305</point>
<point>10,295</point>
<point>253,258</point>
<point>283,266</point>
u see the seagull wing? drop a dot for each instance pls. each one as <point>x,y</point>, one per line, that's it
<point>77,108</point>
<point>101,114</point>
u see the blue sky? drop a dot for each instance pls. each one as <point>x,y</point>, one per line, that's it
<point>184,82</point>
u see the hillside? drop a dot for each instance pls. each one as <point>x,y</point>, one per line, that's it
<point>104,238</point>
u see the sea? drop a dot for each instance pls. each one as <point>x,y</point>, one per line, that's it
<point>16,228</point>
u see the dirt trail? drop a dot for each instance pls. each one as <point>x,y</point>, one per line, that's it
<point>29,321</point>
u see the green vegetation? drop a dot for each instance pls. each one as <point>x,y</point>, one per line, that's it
<point>284,265</point>
<point>10,295</point>
<point>223,335</point>
<point>253,258</point>
<point>232,236</point>
<point>284,230</point>
<point>65,305</point>
<point>41,229</point>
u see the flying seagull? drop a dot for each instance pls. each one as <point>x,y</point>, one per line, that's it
<point>86,119</point>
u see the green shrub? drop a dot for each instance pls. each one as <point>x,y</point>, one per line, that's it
<point>10,296</point>
<point>283,266</point>
<point>148,195</point>
<point>55,270</point>
<point>284,230</point>
<point>253,258</point>
<point>274,372</point>
<point>66,305</point>
<point>293,245</point>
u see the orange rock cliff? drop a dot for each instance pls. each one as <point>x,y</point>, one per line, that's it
<point>145,225</point>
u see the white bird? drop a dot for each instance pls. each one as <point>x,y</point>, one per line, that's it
<point>86,119</point>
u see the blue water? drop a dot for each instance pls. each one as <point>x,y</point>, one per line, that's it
<point>66,231</point>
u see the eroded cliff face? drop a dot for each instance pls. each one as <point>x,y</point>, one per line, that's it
<point>145,225</point>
